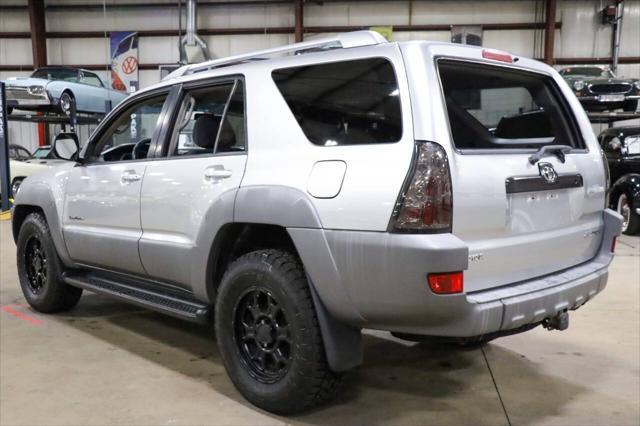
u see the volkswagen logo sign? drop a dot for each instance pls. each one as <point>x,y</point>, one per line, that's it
<point>547,172</point>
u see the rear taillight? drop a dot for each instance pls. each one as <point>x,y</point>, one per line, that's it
<point>613,244</point>
<point>446,283</point>
<point>425,205</point>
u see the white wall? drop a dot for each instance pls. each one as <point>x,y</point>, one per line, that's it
<point>581,35</point>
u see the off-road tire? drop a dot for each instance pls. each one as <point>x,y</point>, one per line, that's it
<point>53,295</point>
<point>308,381</point>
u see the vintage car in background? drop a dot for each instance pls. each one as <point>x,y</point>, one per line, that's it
<point>621,146</point>
<point>598,89</point>
<point>52,89</point>
<point>18,152</point>
<point>19,170</point>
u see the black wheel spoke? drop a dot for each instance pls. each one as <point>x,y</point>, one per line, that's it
<point>262,334</point>
<point>283,332</point>
<point>35,261</point>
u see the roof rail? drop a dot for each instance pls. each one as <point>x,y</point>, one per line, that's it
<point>340,41</point>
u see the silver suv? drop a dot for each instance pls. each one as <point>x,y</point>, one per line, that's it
<point>298,195</point>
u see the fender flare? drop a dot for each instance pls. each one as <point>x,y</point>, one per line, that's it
<point>40,195</point>
<point>292,209</point>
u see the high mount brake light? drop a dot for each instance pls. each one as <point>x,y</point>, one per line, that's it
<point>425,204</point>
<point>497,56</point>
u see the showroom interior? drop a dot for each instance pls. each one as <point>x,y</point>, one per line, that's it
<point>71,69</point>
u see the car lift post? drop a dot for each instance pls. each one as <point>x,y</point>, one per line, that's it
<point>5,176</point>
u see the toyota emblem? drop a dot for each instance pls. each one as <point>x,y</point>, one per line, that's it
<point>547,172</point>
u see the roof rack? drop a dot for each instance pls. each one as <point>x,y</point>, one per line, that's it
<point>340,41</point>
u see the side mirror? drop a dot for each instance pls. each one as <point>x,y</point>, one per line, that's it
<point>614,144</point>
<point>66,146</point>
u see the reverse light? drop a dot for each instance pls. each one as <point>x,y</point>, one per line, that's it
<point>425,204</point>
<point>446,283</point>
<point>497,56</point>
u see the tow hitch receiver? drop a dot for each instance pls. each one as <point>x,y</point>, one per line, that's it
<point>559,322</point>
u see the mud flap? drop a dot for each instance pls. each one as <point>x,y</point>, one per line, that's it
<point>342,343</point>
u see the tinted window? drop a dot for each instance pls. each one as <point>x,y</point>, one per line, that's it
<point>233,134</point>
<point>91,79</point>
<point>497,107</point>
<point>344,103</point>
<point>56,74</point>
<point>129,134</point>
<point>200,120</point>
<point>41,152</point>
<point>211,120</point>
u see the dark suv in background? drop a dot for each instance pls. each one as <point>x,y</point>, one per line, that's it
<point>621,146</point>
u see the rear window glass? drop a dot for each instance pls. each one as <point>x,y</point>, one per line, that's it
<point>344,103</point>
<point>492,107</point>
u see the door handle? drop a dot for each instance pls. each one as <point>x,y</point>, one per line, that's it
<point>217,173</point>
<point>130,176</point>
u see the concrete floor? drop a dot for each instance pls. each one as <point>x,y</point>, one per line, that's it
<point>109,363</point>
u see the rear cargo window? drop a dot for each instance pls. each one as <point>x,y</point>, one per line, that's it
<point>493,107</point>
<point>344,103</point>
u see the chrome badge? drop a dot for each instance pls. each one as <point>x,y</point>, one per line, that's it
<point>547,172</point>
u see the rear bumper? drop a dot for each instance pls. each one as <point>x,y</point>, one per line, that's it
<point>378,280</point>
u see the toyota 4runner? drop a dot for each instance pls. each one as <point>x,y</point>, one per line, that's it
<point>298,195</point>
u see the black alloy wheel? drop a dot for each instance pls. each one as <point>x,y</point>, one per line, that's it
<point>36,264</point>
<point>261,331</point>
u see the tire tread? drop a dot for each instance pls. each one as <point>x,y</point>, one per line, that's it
<point>324,383</point>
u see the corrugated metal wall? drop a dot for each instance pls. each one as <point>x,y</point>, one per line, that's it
<point>581,34</point>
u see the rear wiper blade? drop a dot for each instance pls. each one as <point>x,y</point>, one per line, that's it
<point>557,150</point>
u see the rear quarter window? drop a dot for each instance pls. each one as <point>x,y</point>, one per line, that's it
<point>493,107</point>
<point>344,103</point>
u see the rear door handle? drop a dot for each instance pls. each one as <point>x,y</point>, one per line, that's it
<point>216,173</point>
<point>130,176</point>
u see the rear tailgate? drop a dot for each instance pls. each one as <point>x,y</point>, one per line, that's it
<point>521,219</point>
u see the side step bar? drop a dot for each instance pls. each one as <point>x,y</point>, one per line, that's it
<point>175,306</point>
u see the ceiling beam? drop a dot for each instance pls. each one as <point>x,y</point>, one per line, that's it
<point>281,30</point>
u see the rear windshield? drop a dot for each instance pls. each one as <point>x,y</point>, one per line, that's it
<point>493,107</point>
<point>344,103</point>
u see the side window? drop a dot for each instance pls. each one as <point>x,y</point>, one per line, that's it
<point>344,103</point>
<point>210,120</point>
<point>91,79</point>
<point>129,134</point>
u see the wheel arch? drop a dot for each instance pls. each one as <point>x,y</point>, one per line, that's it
<point>19,214</point>
<point>38,195</point>
<point>342,341</point>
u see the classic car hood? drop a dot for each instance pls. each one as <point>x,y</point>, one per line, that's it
<point>27,81</point>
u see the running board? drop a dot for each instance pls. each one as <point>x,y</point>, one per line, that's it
<point>175,306</point>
